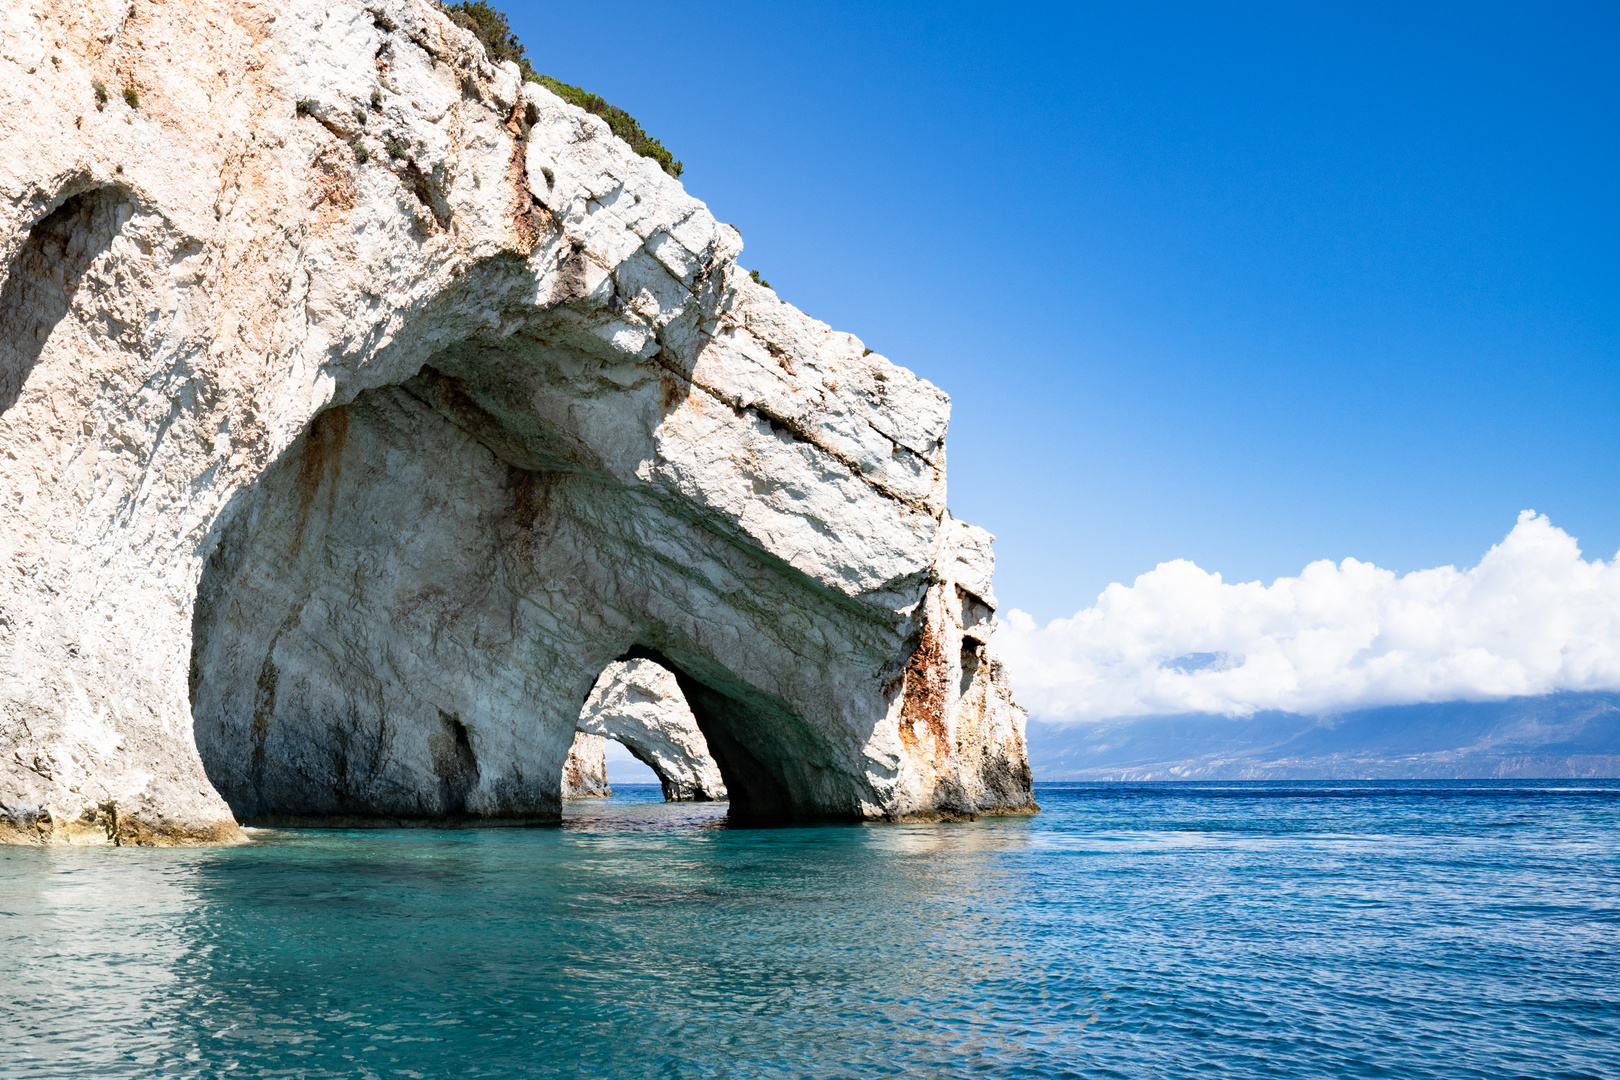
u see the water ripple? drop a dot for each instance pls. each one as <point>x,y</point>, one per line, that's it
<point>1238,930</point>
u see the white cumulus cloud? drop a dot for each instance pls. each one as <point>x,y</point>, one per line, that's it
<point>1533,617</point>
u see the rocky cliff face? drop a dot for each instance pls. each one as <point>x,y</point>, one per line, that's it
<point>584,774</point>
<point>359,406</point>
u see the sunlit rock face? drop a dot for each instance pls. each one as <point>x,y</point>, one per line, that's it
<point>330,487</point>
<point>584,774</point>
<point>640,704</point>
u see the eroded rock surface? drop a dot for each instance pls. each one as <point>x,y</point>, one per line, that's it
<point>329,487</point>
<point>640,704</point>
<point>585,772</point>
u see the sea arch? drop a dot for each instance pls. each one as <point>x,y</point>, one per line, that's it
<point>371,460</point>
<point>638,703</point>
<point>402,614</point>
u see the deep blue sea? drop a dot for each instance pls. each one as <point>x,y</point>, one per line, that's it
<point>1424,929</point>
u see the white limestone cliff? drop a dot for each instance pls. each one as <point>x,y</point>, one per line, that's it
<point>584,774</point>
<point>329,486</point>
<point>640,704</point>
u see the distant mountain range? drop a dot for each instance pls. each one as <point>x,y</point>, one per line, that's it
<point>1559,735</point>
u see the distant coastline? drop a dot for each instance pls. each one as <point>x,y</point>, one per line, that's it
<point>1569,735</point>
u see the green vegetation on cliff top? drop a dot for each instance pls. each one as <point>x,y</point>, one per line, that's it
<point>492,29</point>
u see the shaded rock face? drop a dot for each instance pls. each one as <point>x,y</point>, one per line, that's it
<point>585,772</point>
<point>328,488</point>
<point>640,704</point>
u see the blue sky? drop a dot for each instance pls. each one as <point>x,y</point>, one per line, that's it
<point>1248,287</point>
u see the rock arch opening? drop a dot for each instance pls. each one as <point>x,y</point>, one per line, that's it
<point>400,618</point>
<point>639,704</point>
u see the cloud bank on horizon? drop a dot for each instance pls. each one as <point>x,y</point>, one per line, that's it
<point>1533,617</point>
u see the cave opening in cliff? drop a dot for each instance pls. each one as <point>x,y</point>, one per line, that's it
<point>397,623</point>
<point>736,731</point>
<point>638,704</point>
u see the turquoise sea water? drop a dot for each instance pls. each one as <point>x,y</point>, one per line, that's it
<point>1238,930</point>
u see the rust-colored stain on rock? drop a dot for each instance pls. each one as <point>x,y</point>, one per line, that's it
<point>927,692</point>
<point>323,448</point>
